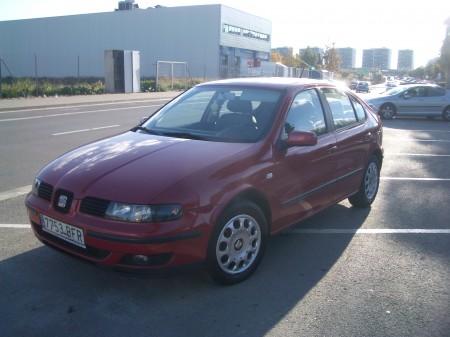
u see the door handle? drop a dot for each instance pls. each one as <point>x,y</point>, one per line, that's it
<point>332,149</point>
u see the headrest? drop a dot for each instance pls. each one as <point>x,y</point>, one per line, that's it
<point>306,106</point>
<point>237,105</point>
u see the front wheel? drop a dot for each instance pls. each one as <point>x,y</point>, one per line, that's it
<point>369,186</point>
<point>387,111</point>
<point>237,243</point>
<point>446,114</point>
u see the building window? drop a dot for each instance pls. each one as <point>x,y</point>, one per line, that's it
<point>245,32</point>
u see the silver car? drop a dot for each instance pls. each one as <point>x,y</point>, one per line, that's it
<point>412,100</point>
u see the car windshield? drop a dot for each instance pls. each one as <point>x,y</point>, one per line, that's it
<point>394,91</point>
<point>217,113</point>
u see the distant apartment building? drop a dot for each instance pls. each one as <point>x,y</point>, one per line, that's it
<point>284,51</point>
<point>447,22</point>
<point>347,57</point>
<point>405,59</point>
<point>377,58</point>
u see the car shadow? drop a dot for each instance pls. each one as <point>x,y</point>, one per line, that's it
<point>405,123</point>
<point>44,292</point>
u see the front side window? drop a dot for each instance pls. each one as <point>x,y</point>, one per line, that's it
<point>217,113</point>
<point>415,92</point>
<point>305,114</point>
<point>340,106</point>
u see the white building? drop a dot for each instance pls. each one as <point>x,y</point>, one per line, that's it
<point>216,41</point>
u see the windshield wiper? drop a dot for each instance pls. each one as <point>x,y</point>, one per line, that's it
<point>187,135</point>
<point>142,128</point>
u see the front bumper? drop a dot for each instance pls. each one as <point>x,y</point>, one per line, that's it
<point>115,244</point>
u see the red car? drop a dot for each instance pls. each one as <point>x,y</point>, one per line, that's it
<point>210,176</point>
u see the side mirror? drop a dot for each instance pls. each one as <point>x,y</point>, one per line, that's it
<point>301,138</point>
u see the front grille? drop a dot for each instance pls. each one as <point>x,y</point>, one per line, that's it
<point>45,191</point>
<point>94,206</point>
<point>92,252</point>
<point>62,200</point>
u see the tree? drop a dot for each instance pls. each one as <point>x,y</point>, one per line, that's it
<point>292,61</point>
<point>309,56</point>
<point>332,60</point>
<point>445,59</point>
<point>276,57</point>
<point>433,68</point>
<point>418,73</point>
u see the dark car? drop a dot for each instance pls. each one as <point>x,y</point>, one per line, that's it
<point>353,85</point>
<point>210,176</point>
<point>362,87</point>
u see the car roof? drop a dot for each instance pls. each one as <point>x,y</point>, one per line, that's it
<point>270,82</point>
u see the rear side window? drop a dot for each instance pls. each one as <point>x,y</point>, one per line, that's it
<point>436,91</point>
<point>359,109</point>
<point>341,107</point>
<point>306,114</point>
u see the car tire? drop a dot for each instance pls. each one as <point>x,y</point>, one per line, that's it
<point>446,114</point>
<point>237,243</point>
<point>369,185</point>
<point>387,111</point>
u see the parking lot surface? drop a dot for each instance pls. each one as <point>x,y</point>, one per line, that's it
<point>344,272</point>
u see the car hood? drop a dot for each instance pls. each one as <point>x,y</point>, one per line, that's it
<point>377,97</point>
<point>134,167</point>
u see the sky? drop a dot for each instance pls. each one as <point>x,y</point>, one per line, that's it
<point>417,25</point>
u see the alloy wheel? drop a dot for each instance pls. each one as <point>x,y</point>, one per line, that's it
<point>387,112</point>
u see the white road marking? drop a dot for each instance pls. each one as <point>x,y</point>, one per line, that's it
<point>85,105</point>
<point>14,226</point>
<point>85,130</point>
<point>367,231</point>
<point>397,130</point>
<point>77,113</point>
<point>17,192</point>
<point>415,179</point>
<point>419,140</point>
<point>416,154</point>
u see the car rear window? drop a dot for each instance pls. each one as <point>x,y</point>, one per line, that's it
<point>340,106</point>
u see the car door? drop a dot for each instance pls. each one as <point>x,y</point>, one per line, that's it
<point>302,173</point>
<point>412,101</point>
<point>435,100</point>
<point>352,140</point>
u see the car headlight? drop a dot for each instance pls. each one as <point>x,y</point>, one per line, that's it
<point>142,213</point>
<point>35,186</point>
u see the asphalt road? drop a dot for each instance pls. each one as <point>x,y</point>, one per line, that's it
<point>322,278</point>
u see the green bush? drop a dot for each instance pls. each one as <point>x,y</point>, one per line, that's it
<point>147,85</point>
<point>25,87</point>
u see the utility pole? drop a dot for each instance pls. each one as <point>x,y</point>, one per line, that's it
<point>36,73</point>
<point>78,68</point>
<point>1,77</point>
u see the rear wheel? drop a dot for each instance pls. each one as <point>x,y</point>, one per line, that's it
<point>237,243</point>
<point>369,186</point>
<point>446,114</point>
<point>387,111</point>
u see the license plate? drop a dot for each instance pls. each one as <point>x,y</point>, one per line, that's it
<point>63,231</point>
